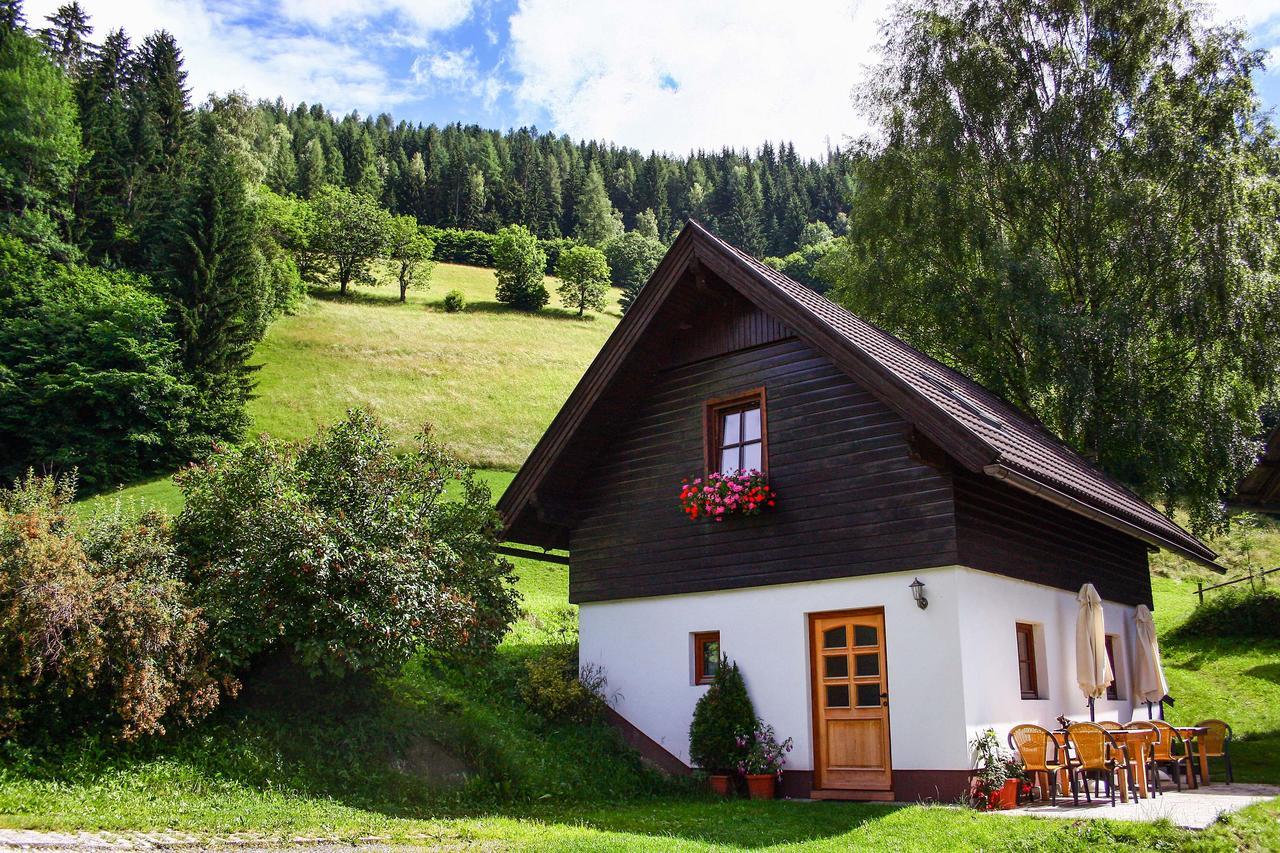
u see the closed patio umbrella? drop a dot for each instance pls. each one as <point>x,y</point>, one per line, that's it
<point>1149,675</point>
<point>1093,670</point>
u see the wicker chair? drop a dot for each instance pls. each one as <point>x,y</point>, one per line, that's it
<point>1162,754</point>
<point>1216,743</point>
<point>1034,745</point>
<point>1109,725</point>
<point>1093,750</point>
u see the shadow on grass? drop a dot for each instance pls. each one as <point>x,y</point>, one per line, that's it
<point>354,296</point>
<point>1268,671</point>
<point>357,296</point>
<point>493,307</point>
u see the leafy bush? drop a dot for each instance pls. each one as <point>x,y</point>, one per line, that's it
<point>558,688</point>
<point>96,627</point>
<point>520,264</point>
<point>455,301</point>
<point>343,552</point>
<point>459,246</point>
<point>1238,612</point>
<point>632,258</point>
<point>722,719</point>
<point>554,248</point>
<point>806,265</point>
<point>89,372</point>
<point>553,683</point>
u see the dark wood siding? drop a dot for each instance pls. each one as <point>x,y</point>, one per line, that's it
<point>1002,529</point>
<point>851,500</point>
<point>730,324</point>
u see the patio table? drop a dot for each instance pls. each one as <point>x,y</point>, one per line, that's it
<point>1131,741</point>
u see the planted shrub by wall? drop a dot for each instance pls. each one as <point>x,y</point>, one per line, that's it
<point>722,716</point>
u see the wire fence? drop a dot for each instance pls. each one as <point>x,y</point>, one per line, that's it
<point>1253,578</point>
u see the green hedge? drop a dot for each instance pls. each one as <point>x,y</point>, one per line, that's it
<point>475,248</point>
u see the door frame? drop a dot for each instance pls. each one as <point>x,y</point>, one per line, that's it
<point>815,682</point>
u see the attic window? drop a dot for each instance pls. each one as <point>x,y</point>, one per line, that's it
<point>736,434</point>
<point>962,401</point>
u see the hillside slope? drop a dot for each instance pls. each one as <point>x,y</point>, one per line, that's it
<point>488,380</point>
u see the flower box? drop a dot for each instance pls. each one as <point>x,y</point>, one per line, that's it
<point>719,495</point>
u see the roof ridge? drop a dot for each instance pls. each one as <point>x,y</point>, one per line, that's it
<point>816,304</point>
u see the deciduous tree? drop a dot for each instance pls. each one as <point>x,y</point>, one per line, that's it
<point>410,250</point>
<point>351,229</point>
<point>584,278</point>
<point>520,264</point>
<point>1075,203</point>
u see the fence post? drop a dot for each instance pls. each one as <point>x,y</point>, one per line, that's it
<point>1200,590</point>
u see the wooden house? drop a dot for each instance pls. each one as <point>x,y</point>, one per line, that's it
<point>889,468</point>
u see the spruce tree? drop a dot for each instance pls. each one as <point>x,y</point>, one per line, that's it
<point>108,182</point>
<point>67,37</point>
<point>11,18</point>
<point>597,219</point>
<point>215,282</point>
<point>282,168</point>
<point>311,169</point>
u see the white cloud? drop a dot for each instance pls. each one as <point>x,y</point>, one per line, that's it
<point>672,75</point>
<point>338,66</point>
<point>427,15</point>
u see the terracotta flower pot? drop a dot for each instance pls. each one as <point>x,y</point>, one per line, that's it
<point>761,786</point>
<point>1006,797</point>
<point>721,785</point>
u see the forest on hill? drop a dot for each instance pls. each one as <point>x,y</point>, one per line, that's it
<point>1105,258</point>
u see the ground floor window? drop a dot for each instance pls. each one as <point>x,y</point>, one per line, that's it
<point>1113,689</point>
<point>706,656</point>
<point>1028,670</point>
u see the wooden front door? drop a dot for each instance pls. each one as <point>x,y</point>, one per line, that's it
<point>850,701</point>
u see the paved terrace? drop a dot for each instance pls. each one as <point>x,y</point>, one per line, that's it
<point>1188,809</point>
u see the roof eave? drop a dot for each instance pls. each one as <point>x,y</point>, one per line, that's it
<point>1202,555</point>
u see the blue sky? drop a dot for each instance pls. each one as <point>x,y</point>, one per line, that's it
<point>663,74</point>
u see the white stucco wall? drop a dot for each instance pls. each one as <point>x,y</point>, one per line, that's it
<point>992,604</point>
<point>644,645</point>
<point>952,669</point>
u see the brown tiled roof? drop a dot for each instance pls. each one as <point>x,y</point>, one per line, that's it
<point>1018,441</point>
<point>978,428</point>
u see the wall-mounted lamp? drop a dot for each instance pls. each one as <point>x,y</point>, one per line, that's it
<point>917,592</point>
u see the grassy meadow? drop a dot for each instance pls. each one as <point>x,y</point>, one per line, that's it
<point>488,379</point>
<point>355,763</point>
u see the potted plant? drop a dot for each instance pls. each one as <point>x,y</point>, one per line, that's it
<point>762,762</point>
<point>721,719</point>
<point>996,774</point>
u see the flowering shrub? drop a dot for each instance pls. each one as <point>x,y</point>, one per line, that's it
<point>97,630</point>
<point>718,495</point>
<point>763,755</point>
